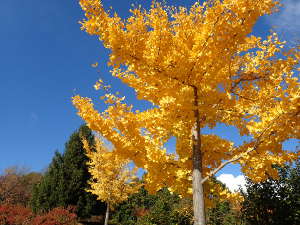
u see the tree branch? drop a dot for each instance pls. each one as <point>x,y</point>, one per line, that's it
<point>229,161</point>
<point>256,145</point>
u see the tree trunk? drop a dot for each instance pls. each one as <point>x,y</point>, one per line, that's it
<point>198,194</point>
<point>106,214</point>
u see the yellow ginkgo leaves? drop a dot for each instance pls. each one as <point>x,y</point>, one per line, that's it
<point>112,181</point>
<point>241,80</point>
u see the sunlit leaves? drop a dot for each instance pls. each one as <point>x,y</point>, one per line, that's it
<point>112,181</point>
<point>243,81</point>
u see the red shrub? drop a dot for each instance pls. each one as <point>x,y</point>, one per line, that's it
<point>15,215</point>
<point>19,215</point>
<point>57,216</point>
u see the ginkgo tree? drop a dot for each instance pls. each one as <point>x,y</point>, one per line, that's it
<point>199,67</point>
<point>112,181</point>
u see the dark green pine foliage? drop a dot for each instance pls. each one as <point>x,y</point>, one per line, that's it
<point>274,202</point>
<point>169,209</point>
<point>163,208</point>
<point>128,212</point>
<point>223,214</point>
<point>65,181</point>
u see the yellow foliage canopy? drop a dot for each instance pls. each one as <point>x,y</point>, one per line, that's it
<point>242,81</point>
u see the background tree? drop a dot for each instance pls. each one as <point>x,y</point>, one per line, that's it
<point>168,209</point>
<point>111,178</point>
<point>274,202</point>
<point>16,185</point>
<point>65,181</point>
<point>224,212</point>
<point>137,205</point>
<point>199,67</point>
<point>161,208</point>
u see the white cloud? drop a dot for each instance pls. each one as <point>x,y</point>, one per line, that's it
<point>287,21</point>
<point>233,183</point>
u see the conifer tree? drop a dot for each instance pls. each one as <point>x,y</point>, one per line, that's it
<point>65,181</point>
<point>274,201</point>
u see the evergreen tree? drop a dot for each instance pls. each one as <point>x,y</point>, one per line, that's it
<point>65,181</point>
<point>274,202</point>
<point>163,208</point>
<point>137,205</point>
<point>224,214</point>
<point>168,209</point>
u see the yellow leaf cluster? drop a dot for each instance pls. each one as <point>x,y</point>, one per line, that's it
<point>111,179</point>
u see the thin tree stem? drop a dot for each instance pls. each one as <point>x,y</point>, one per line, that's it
<point>106,214</point>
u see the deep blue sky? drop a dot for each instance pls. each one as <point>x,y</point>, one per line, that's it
<point>45,59</point>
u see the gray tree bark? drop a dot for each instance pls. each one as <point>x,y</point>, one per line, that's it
<point>198,194</point>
